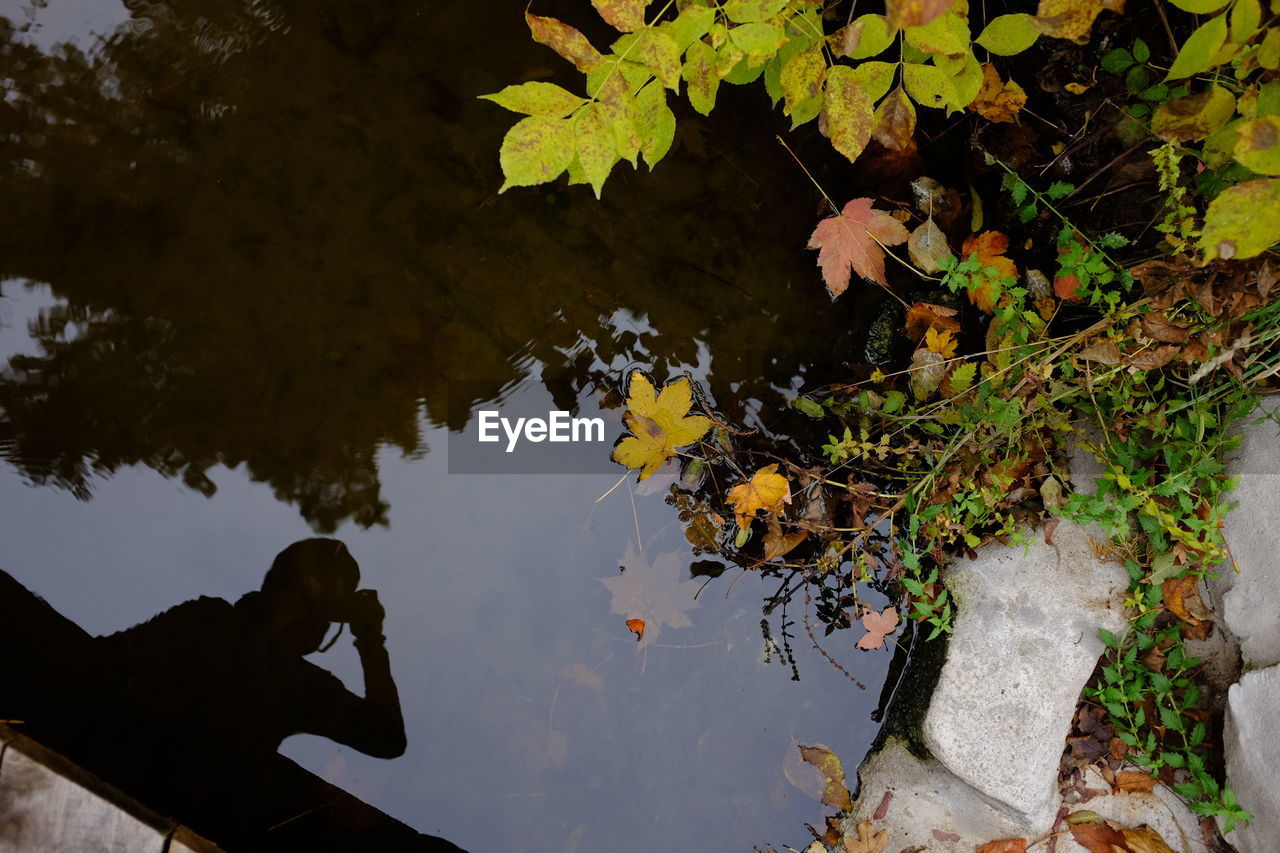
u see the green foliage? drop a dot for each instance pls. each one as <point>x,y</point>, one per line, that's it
<point>1175,739</point>
<point>623,110</point>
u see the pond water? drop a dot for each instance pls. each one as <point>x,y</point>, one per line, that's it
<point>255,272</point>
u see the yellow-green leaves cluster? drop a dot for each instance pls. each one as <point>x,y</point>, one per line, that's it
<point>623,114</point>
<point>1236,116</point>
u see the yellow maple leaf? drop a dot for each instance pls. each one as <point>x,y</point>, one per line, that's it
<point>941,341</point>
<point>660,422</point>
<point>767,490</point>
<point>997,100</point>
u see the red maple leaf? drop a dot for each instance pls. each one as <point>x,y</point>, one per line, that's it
<point>879,626</point>
<point>854,240</point>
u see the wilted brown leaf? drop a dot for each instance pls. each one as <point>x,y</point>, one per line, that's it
<point>1159,327</point>
<point>1134,782</point>
<point>1103,352</point>
<point>1153,359</point>
<point>895,121</point>
<point>564,40</point>
<point>1008,845</point>
<point>779,544</point>
<point>854,241</point>
<point>869,840</point>
<point>997,100</point>
<point>927,246</point>
<point>1144,839</point>
<point>1096,837</point>
<point>836,793</point>
<point>1182,599</point>
<point>915,13</point>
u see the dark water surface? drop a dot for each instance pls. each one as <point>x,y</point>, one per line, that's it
<point>249,248</point>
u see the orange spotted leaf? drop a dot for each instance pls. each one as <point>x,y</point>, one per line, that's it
<point>636,626</point>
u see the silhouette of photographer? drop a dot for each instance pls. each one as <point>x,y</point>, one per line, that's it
<point>190,707</point>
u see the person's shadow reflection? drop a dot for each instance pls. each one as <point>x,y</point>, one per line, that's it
<point>190,707</point>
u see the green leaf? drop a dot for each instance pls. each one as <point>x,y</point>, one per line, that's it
<point>615,95</point>
<point>1007,35</point>
<point>1242,221</point>
<point>893,402</point>
<point>1200,49</point>
<point>867,36</point>
<point>946,34</point>
<point>536,151</point>
<point>962,377</point>
<point>655,50</point>
<point>1258,145</point>
<point>1199,7</point>
<point>759,41</point>
<point>1141,52</point>
<point>928,86</point>
<point>874,78</point>
<point>691,24</point>
<point>801,81</point>
<point>655,123</point>
<point>1059,189</point>
<point>700,73</point>
<point>1117,60</point>
<point>748,11</point>
<point>848,111</point>
<point>1194,117</point>
<point>966,78</point>
<point>810,408</point>
<point>593,141</point>
<point>1246,15</point>
<point>537,99</point>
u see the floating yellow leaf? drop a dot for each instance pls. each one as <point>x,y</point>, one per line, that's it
<point>767,490</point>
<point>941,341</point>
<point>659,422</point>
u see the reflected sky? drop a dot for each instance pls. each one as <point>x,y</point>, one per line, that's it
<point>260,276</point>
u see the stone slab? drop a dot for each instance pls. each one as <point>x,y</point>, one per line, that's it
<point>926,799</point>
<point>1162,810</point>
<point>1253,756</point>
<point>1025,643</point>
<point>1248,598</point>
<point>42,810</point>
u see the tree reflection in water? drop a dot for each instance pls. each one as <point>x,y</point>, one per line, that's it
<point>275,230</point>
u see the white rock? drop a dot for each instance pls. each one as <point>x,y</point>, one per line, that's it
<point>1162,810</point>
<point>1025,643</point>
<point>1253,756</point>
<point>926,798</point>
<point>1248,606</point>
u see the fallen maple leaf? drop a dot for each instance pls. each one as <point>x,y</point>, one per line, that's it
<point>868,841</point>
<point>942,342</point>
<point>1006,845</point>
<point>998,101</point>
<point>652,593</point>
<point>990,247</point>
<point>854,241</point>
<point>660,423</point>
<point>879,626</point>
<point>767,490</point>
